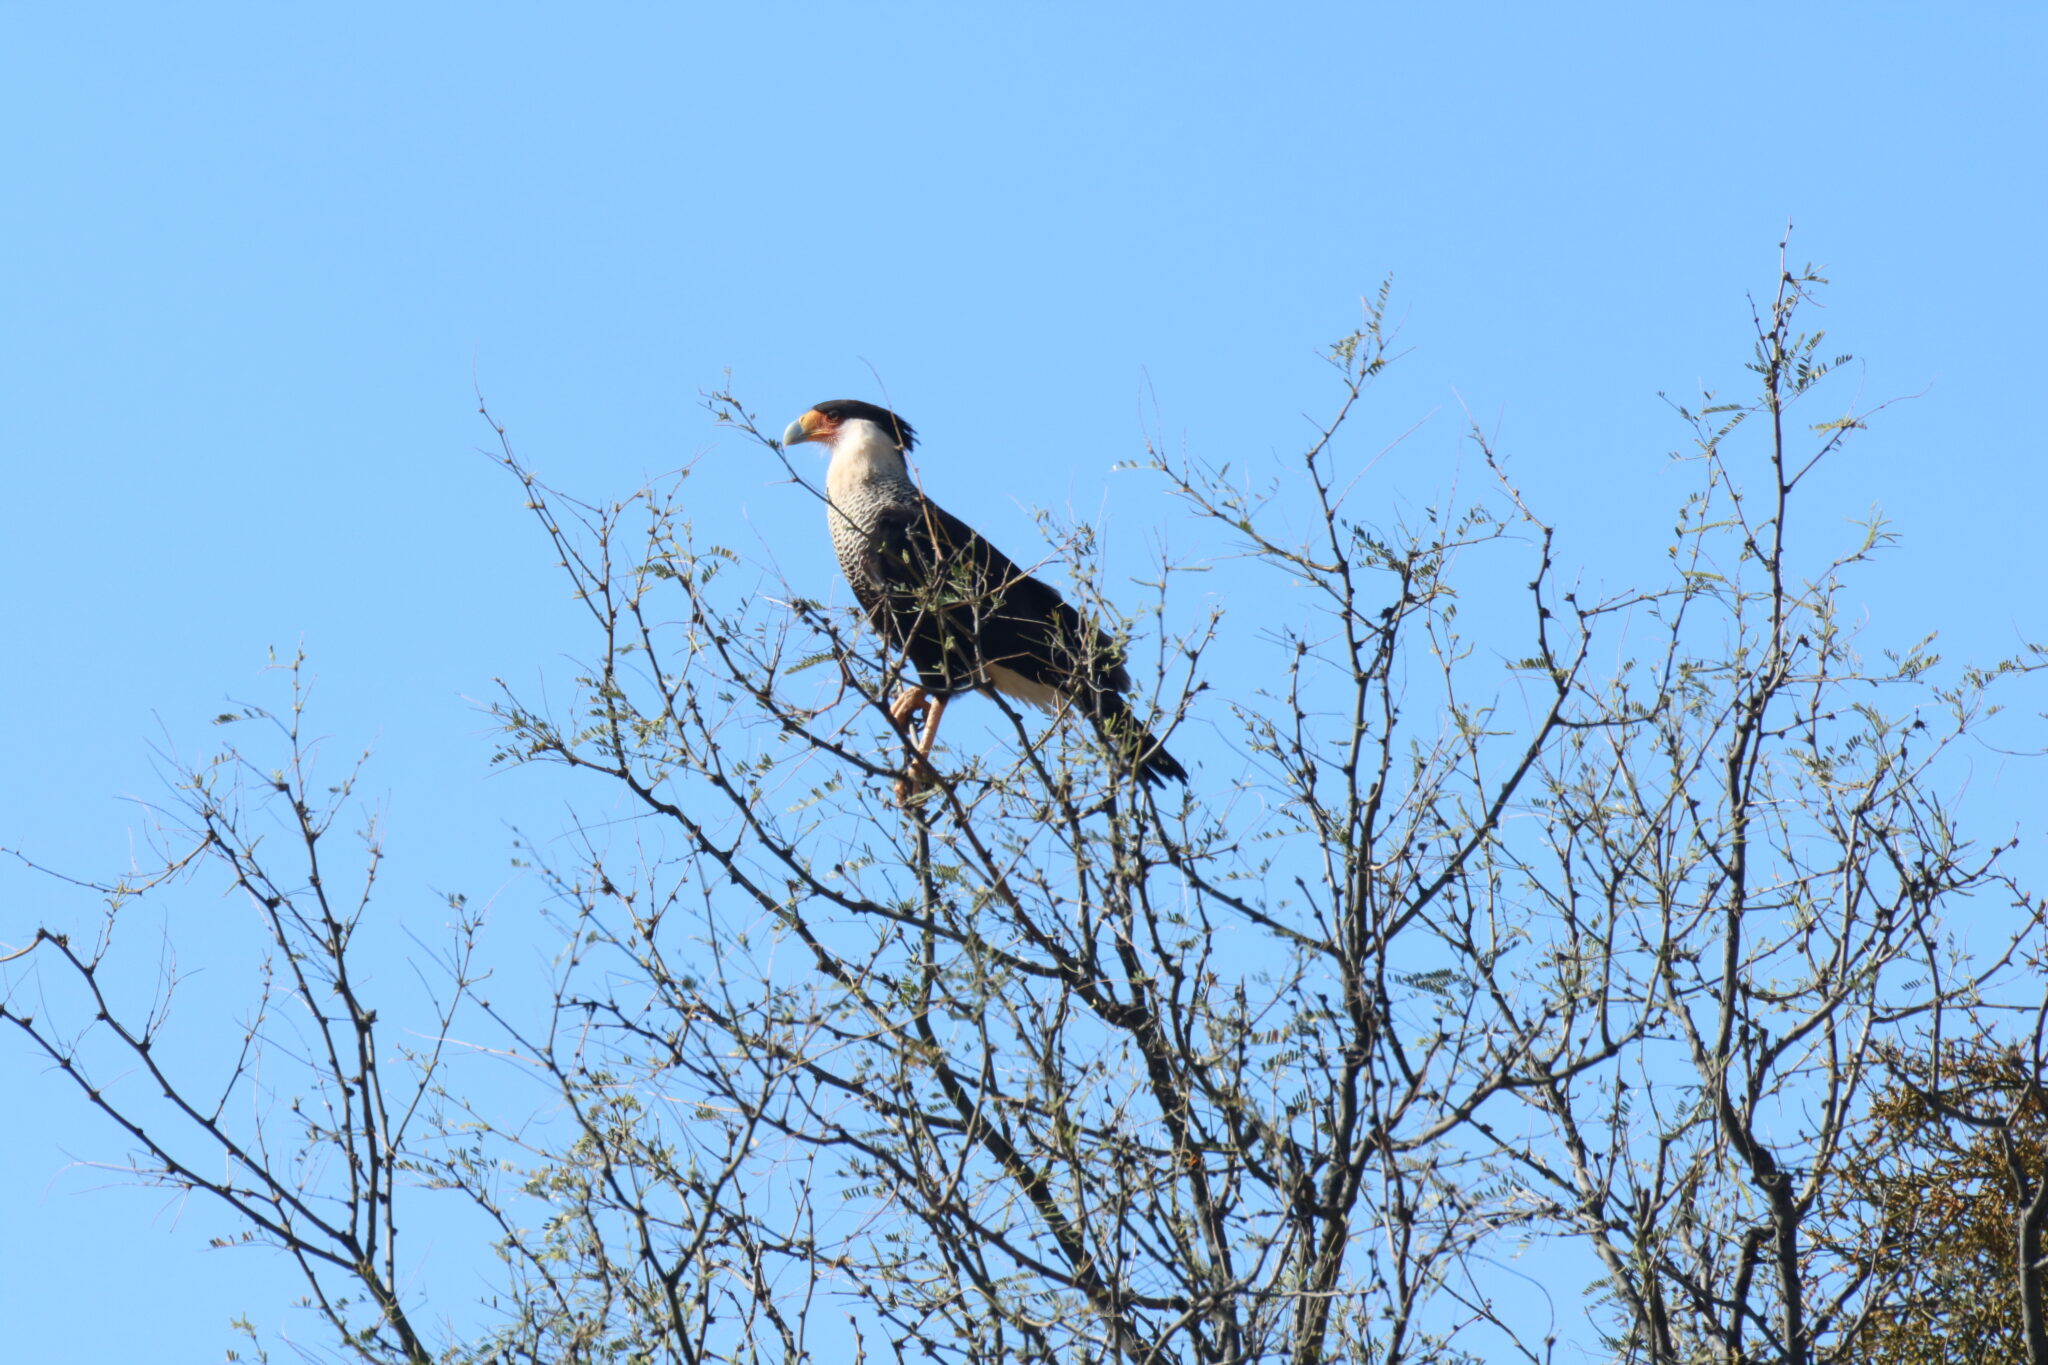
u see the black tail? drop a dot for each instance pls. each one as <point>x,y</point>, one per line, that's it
<point>1132,742</point>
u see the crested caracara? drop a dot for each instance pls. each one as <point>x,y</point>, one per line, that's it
<point>966,617</point>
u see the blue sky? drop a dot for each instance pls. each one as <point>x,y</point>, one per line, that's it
<point>259,260</point>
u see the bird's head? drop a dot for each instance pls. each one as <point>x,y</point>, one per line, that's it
<point>828,422</point>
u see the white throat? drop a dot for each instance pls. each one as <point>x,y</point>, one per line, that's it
<point>862,456</point>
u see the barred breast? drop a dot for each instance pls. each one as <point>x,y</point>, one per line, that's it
<point>855,500</point>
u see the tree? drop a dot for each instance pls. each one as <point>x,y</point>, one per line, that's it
<point>1468,947</point>
<point>1947,1193</point>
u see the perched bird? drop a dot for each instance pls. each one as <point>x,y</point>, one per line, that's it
<point>967,618</point>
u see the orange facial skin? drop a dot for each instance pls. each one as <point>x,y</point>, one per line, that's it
<point>812,426</point>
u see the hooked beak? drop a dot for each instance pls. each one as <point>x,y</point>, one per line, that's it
<point>804,428</point>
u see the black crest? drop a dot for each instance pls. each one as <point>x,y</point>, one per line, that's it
<point>847,409</point>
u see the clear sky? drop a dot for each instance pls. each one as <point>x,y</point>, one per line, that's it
<point>255,261</point>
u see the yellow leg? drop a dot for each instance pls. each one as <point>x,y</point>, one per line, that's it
<point>931,727</point>
<point>906,706</point>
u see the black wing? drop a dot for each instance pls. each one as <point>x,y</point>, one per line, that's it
<point>958,606</point>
